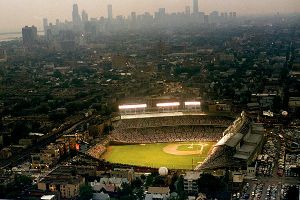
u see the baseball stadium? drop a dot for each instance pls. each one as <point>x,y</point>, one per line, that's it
<point>177,136</point>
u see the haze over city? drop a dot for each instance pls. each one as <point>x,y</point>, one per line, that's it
<point>33,11</point>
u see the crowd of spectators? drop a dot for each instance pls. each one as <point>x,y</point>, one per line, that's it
<point>167,129</point>
<point>222,155</point>
<point>174,121</point>
<point>97,150</point>
<point>167,134</point>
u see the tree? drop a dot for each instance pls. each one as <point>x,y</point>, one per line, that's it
<point>126,192</point>
<point>22,180</point>
<point>137,186</point>
<point>57,74</point>
<point>182,195</point>
<point>85,192</point>
<point>20,130</point>
<point>209,184</point>
<point>173,182</point>
<point>149,180</point>
<point>14,189</point>
<point>292,193</point>
<point>158,181</point>
<point>143,177</point>
<point>107,129</point>
<point>139,192</point>
<point>137,183</point>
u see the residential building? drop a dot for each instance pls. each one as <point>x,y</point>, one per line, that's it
<point>190,181</point>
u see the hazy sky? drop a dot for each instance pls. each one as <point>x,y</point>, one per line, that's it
<point>16,13</point>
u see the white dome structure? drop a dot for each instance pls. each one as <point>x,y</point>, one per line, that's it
<point>284,113</point>
<point>163,171</point>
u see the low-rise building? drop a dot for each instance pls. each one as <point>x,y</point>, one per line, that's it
<point>68,186</point>
<point>190,181</point>
<point>47,157</point>
<point>157,193</point>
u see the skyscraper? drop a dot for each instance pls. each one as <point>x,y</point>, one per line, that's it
<point>109,12</point>
<point>29,35</point>
<point>195,6</point>
<point>187,11</point>
<point>133,16</point>
<point>84,16</point>
<point>45,25</point>
<point>205,19</point>
<point>75,15</point>
<point>162,12</point>
<point>234,14</point>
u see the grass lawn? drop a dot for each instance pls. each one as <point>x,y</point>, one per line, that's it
<point>152,155</point>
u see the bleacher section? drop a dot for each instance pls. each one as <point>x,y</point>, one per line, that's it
<point>170,129</point>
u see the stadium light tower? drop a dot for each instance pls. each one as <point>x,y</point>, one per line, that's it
<point>192,105</point>
<point>132,108</point>
<point>123,107</point>
<point>168,106</point>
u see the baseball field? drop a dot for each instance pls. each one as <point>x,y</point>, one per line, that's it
<point>178,155</point>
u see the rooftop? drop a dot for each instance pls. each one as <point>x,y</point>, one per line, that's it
<point>247,148</point>
<point>234,140</point>
<point>254,138</point>
<point>62,180</point>
<point>192,175</point>
<point>158,190</point>
<point>47,197</point>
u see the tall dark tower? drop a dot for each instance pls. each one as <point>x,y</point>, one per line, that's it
<point>84,16</point>
<point>29,35</point>
<point>109,12</point>
<point>195,7</point>
<point>187,11</point>
<point>75,15</point>
<point>45,25</point>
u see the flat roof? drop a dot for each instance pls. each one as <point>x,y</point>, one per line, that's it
<point>192,175</point>
<point>46,197</point>
<point>63,179</point>
<point>158,190</point>
<point>241,156</point>
<point>234,140</point>
<point>247,148</point>
<point>255,138</point>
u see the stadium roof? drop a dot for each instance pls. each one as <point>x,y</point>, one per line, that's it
<point>254,138</point>
<point>241,156</point>
<point>247,148</point>
<point>234,140</point>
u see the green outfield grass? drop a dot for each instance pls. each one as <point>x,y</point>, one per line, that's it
<point>152,155</point>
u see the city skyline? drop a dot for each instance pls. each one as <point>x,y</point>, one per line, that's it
<point>62,10</point>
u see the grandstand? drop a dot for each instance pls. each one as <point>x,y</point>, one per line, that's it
<point>169,129</point>
<point>237,148</point>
